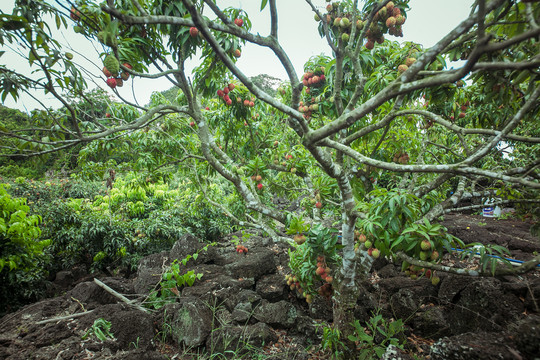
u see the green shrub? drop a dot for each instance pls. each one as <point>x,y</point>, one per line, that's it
<point>21,253</point>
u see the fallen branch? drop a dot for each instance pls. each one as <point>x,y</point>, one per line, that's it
<point>67,317</point>
<point>119,296</point>
<point>522,269</point>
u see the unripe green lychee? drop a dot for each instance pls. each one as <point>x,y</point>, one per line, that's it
<point>112,64</point>
<point>424,255</point>
<point>345,23</point>
<point>402,68</point>
<point>368,244</point>
<point>391,21</point>
<point>425,245</point>
<point>409,61</point>
<point>345,37</point>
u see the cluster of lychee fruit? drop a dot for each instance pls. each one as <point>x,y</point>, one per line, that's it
<point>74,14</point>
<point>363,243</point>
<point>247,102</point>
<point>340,23</point>
<point>316,201</point>
<point>241,249</point>
<point>294,284</point>
<point>404,67</point>
<point>224,94</point>
<point>315,78</point>
<point>323,270</point>
<point>427,253</point>
<point>401,158</point>
<point>416,272</point>
<point>388,19</point>
<point>309,107</point>
<point>111,69</point>
<point>258,178</point>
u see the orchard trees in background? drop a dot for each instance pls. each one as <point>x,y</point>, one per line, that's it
<point>379,139</point>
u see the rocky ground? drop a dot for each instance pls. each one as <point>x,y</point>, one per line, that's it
<point>242,307</point>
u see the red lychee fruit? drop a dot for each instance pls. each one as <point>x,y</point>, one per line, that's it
<point>260,186</point>
<point>193,31</point>
<point>192,124</point>
<point>237,53</point>
<point>220,93</point>
<point>108,115</point>
<point>228,102</point>
<point>251,104</point>
<point>75,14</point>
<point>239,22</point>
<point>461,115</point>
<point>226,98</point>
<point>318,205</point>
<point>370,44</point>
<point>106,72</point>
<point>231,86</point>
<point>111,82</point>
<point>246,102</point>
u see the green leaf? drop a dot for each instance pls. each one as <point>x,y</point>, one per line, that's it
<point>263,4</point>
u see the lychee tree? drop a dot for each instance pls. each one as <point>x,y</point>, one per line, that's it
<point>377,140</point>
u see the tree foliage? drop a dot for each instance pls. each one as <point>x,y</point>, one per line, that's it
<point>380,139</point>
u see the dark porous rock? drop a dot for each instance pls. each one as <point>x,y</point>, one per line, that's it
<point>52,333</point>
<point>271,287</point>
<point>149,272</point>
<point>474,346</point>
<point>451,286</point>
<point>242,313</point>
<point>482,304</point>
<point>64,279</point>
<point>250,296</point>
<point>129,326</point>
<point>281,314</point>
<point>138,354</point>
<point>526,334</point>
<point>532,300</point>
<point>307,328</point>
<point>221,289</point>
<point>91,295</point>
<point>256,263</point>
<point>239,339</point>
<point>388,271</point>
<point>431,323</point>
<point>189,245</point>
<point>188,322</point>
<point>405,303</point>
<point>321,309</point>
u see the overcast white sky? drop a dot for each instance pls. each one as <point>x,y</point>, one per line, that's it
<point>427,22</point>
